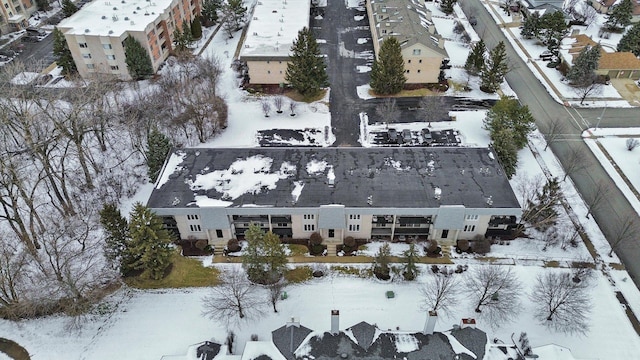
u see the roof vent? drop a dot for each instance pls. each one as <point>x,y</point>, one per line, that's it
<point>126,18</point>
<point>135,12</point>
<point>110,32</point>
<point>132,23</point>
<point>146,14</point>
<point>114,18</point>
<point>437,193</point>
<point>104,17</point>
<point>370,200</point>
<point>123,2</point>
<point>490,200</point>
<point>115,8</point>
<point>138,8</point>
<point>86,30</point>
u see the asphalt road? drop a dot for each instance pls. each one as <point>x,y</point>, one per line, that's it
<point>615,208</point>
<point>37,56</point>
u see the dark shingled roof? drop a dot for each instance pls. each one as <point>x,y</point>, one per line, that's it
<point>287,338</point>
<point>399,177</point>
<point>364,333</point>
<point>473,339</point>
<point>208,350</point>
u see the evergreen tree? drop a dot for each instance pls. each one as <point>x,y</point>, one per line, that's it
<point>583,71</point>
<point>158,147</point>
<point>410,259</point>
<point>541,212</point>
<point>631,40</point>
<point>494,69</point>
<point>68,8</point>
<point>210,11</point>
<point>264,259</point>
<point>387,72</point>
<point>137,59</point>
<point>620,15</point>
<point>506,151</point>
<point>182,39</point>
<point>43,5</point>
<point>116,247</point>
<point>233,15</point>
<point>62,54</point>
<point>150,242</point>
<point>475,59</point>
<point>196,28</point>
<point>553,29</point>
<point>381,262</point>
<point>531,26</point>
<point>447,6</point>
<point>508,114</point>
<point>306,70</point>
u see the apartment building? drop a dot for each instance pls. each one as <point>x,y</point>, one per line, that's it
<point>409,21</point>
<point>397,194</point>
<point>96,33</point>
<point>14,14</point>
<point>273,27</point>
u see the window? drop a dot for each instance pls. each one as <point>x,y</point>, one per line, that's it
<point>332,233</point>
<point>469,228</point>
<point>193,217</point>
<point>195,228</point>
<point>115,67</point>
<point>308,216</point>
<point>281,224</point>
<point>420,61</point>
<point>408,71</point>
<point>354,217</point>
<point>473,217</point>
<point>268,71</point>
<point>354,227</point>
<point>219,233</point>
<point>6,6</point>
<point>106,46</point>
<point>409,61</point>
<point>309,227</point>
<point>90,66</point>
<point>111,57</point>
<point>416,51</point>
<point>418,71</point>
<point>445,234</point>
<point>384,31</point>
<point>83,45</point>
<point>86,56</point>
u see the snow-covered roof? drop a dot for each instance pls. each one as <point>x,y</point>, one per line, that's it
<point>114,18</point>
<point>273,27</point>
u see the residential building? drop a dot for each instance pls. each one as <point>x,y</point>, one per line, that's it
<point>96,33</point>
<point>616,65</point>
<point>397,194</point>
<point>604,7</point>
<point>409,21</point>
<point>273,28</point>
<point>14,14</point>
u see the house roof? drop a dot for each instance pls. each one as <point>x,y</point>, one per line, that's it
<point>288,337</point>
<point>409,21</point>
<point>608,60</point>
<point>398,177</point>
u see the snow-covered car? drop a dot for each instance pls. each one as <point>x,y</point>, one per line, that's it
<point>473,21</point>
<point>426,136</point>
<point>393,135</point>
<point>406,136</point>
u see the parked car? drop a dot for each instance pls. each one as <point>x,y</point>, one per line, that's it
<point>406,136</point>
<point>32,31</point>
<point>546,55</point>
<point>426,136</point>
<point>473,21</point>
<point>29,39</point>
<point>393,135</point>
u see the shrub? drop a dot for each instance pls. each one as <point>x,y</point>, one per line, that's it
<point>481,245</point>
<point>315,239</point>
<point>433,246</point>
<point>350,242</point>
<point>298,274</point>
<point>201,244</point>
<point>233,245</point>
<point>632,143</point>
<point>463,245</point>
<point>317,249</point>
<point>435,269</point>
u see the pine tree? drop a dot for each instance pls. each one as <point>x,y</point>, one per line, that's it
<point>553,29</point>
<point>210,11</point>
<point>410,259</point>
<point>62,53</point>
<point>233,14</point>
<point>306,70</point>
<point>182,39</point>
<point>116,247</point>
<point>541,212</point>
<point>381,262</point>
<point>158,147</point>
<point>620,15</point>
<point>68,8</point>
<point>387,72</point>
<point>447,6</point>
<point>506,151</point>
<point>531,26</point>
<point>631,40</point>
<point>475,59</point>
<point>507,114</point>
<point>43,5</point>
<point>150,242</point>
<point>583,71</point>
<point>494,69</point>
<point>137,59</point>
<point>264,259</point>
<point>196,28</point>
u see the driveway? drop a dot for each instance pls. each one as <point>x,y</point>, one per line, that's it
<point>39,55</point>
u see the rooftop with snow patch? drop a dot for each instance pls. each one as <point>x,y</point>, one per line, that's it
<point>401,177</point>
<point>273,27</point>
<point>114,18</point>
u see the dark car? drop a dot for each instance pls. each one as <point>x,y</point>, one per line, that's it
<point>426,136</point>
<point>30,39</point>
<point>393,135</point>
<point>32,31</point>
<point>406,136</point>
<point>473,21</point>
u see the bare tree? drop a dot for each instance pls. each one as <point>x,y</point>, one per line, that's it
<point>388,111</point>
<point>292,107</point>
<point>276,290</point>
<point>278,102</point>
<point>440,294</point>
<point>555,131</point>
<point>586,88</point>
<point>576,162</point>
<point>626,231</point>
<point>598,195</point>
<point>540,206</point>
<point>433,108</point>
<point>495,292</point>
<point>266,107</point>
<point>561,304</point>
<point>632,143</point>
<point>13,262</point>
<point>589,15</point>
<point>234,301</point>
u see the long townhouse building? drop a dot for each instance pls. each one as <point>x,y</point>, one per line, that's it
<point>398,194</point>
<point>96,33</point>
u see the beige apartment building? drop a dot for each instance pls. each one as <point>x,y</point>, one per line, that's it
<point>95,34</point>
<point>14,14</point>
<point>273,27</point>
<point>409,21</point>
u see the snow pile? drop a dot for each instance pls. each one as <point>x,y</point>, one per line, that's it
<point>406,343</point>
<point>297,190</point>
<point>172,166</point>
<point>24,78</point>
<point>244,176</point>
<point>316,167</point>
<point>395,164</point>
<point>457,347</point>
<point>205,201</point>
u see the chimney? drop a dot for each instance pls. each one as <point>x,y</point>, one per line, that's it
<point>471,323</point>
<point>430,324</point>
<point>335,322</point>
<point>293,322</point>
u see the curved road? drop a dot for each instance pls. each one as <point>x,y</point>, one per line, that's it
<point>531,92</point>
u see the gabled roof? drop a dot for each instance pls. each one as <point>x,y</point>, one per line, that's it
<point>409,21</point>
<point>608,60</point>
<point>288,337</point>
<point>364,333</point>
